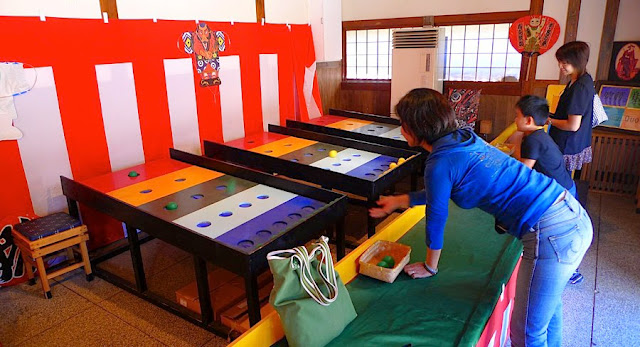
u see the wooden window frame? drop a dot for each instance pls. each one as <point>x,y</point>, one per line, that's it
<point>501,88</point>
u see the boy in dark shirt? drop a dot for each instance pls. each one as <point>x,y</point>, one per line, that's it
<point>538,150</point>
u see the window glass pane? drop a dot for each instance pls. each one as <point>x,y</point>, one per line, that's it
<point>455,74</point>
<point>485,46</point>
<point>362,60</point>
<point>383,60</point>
<point>498,60</point>
<point>372,35</point>
<point>351,60</point>
<point>500,45</point>
<point>456,60</point>
<point>383,48</point>
<point>469,74</point>
<point>470,60</point>
<point>457,32</point>
<point>351,36</point>
<point>484,60</point>
<point>510,49</point>
<point>497,75</point>
<point>372,48</point>
<point>513,75</point>
<point>447,32</point>
<point>483,74</point>
<point>513,60</point>
<point>361,48</point>
<point>502,31</point>
<point>362,72</point>
<point>457,46</point>
<point>351,72</point>
<point>361,35</point>
<point>472,32</point>
<point>471,46</point>
<point>351,48</point>
<point>383,35</point>
<point>372,60</point>
<point>383,72</point>
<point>486,31</point>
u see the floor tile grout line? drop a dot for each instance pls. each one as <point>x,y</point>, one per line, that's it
<point>118,290</point>
<point>129,324</point>
<point>595,280</point>
<point>60,323</point>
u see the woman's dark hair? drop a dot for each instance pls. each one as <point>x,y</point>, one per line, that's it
<point>575,53</point>
<point>426,114</point>
<point>534,107</point>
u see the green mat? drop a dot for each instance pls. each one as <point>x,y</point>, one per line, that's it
<point>450,309</point>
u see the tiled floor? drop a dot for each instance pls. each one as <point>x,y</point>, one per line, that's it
<point>604,310</point>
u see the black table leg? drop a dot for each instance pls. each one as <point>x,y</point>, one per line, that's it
<point>136,258</point>
<point>340,237</point>
<point>203,289</point>
<point>253,301</point>
<point>73,208</point>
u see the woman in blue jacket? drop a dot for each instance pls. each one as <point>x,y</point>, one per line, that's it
<point>555,230</point>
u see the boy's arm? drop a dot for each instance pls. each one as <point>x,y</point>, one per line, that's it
<point>528,162</point>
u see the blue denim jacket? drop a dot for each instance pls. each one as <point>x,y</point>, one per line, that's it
<point>472,173</point>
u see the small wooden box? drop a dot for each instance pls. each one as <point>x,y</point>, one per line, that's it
<point>372,256</point>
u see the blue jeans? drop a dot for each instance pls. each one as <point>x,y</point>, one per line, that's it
<point>553,249</point>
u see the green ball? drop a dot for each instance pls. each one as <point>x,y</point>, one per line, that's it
<point>171,206</point>
<point>383,263</point>
<point>133,174</point>
<point>389,260</point>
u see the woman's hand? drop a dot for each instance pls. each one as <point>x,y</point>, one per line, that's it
<point>388,204</point>
<point>417,270</point>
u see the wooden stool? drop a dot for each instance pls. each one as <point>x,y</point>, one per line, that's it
<point>40,237</point>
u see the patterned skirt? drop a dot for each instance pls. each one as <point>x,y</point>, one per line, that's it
<point>575,161</point>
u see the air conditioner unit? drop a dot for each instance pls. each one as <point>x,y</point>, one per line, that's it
<point>418,61</point>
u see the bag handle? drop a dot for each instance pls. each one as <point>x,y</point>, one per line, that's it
<point>301,259</point>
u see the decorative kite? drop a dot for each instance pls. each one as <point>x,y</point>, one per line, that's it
<point>205,44</point>
<point>534,34</point>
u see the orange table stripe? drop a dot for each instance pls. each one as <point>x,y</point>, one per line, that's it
<point>349,124</point>
<point>281,147</point>
<point>163,185</point>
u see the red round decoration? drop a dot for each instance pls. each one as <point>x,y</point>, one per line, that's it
<point>534,34</point>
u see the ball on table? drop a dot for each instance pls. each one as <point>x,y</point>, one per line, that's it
<point>389,260</point>
<point>392,165</point>
<point>333,154</point>
<point>401,160</point>
<point>171,206</point>
<point>133,174</point>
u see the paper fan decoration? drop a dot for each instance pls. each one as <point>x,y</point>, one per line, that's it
<point>534,34</point>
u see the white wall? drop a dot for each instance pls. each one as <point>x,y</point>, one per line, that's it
<point>51,8</point>
<point>332,19</point>
<point>628,28</point>
<point>590,29</point>
<point>217,10</point>
<point>376,9</point>
<point>286,11</point>
<point>547,68</point>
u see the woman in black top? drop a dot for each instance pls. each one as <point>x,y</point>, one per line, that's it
<point>571,124</point>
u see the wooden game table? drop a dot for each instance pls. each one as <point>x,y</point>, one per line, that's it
<point>219,212</point>
<point>360,168</point>
<point>356,125</point>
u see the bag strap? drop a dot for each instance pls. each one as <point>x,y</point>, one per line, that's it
<point>301,260</point>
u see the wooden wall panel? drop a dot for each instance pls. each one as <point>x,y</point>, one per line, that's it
<point>367,101</point>
<point>498,108</point>
<point>329,79</point>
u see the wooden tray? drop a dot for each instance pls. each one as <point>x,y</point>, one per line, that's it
<point>372,256</point>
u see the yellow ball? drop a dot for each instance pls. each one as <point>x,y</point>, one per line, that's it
<point>401,160</point>
<point>333,154</point>
<point>392,165</point>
